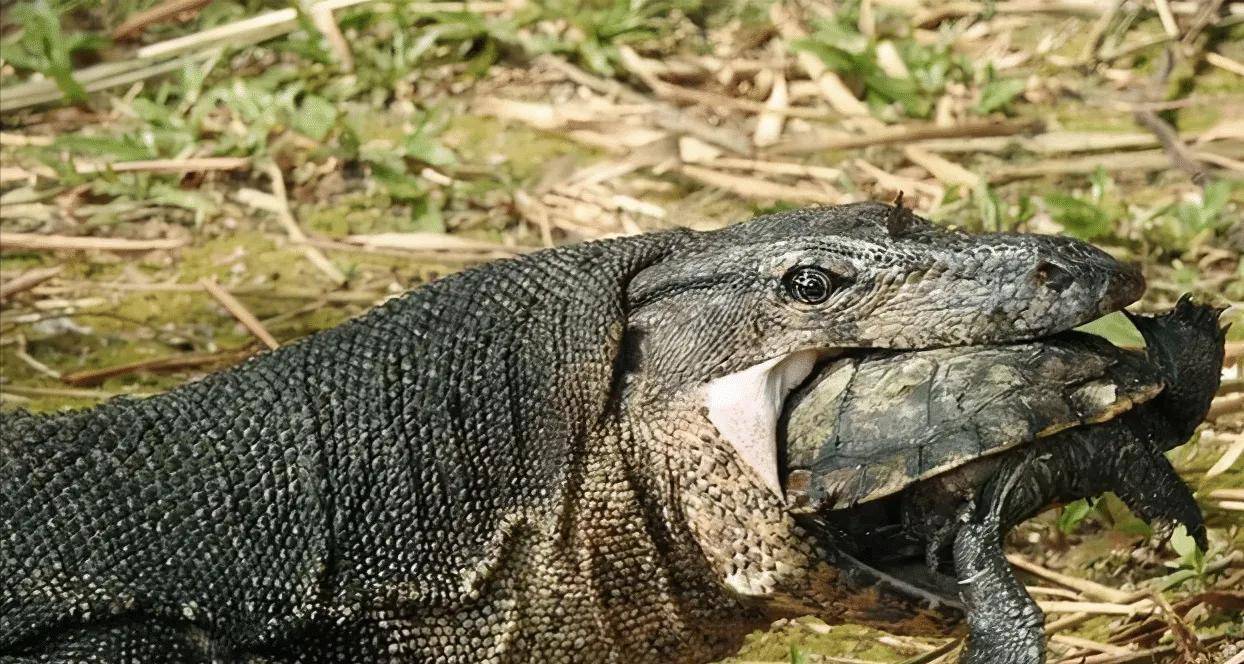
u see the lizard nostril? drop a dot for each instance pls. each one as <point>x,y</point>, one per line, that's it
<point>1053,276</point>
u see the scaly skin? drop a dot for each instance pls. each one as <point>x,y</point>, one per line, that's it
<point>511,464</point>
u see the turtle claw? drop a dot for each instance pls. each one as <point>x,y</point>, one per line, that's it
<point>1149,485</point>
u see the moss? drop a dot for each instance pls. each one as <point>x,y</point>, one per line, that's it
<point>810,635</point>
<point>526,152</point>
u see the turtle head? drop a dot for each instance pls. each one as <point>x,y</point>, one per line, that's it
<point>1187,344</point>
<point>744,312</point>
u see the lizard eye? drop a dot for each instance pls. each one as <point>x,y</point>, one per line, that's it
<point>808,284</point>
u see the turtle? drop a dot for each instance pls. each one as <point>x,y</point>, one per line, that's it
<point>914,464</point>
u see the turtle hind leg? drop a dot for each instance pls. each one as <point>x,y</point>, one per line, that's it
<point>1005,625</point>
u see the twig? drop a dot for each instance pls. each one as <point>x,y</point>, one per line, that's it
<point>759,189</point>
<point>1103,608</point>
<point>1231,403</point>
<point>769,124</point>
<point>1180,155</point>
<point>825,173</point>
<point>946,171</point>
<point>134,25</point>
<point>1088,55</point>
<point>1086,587</point>
<point>433,242</point>
<point>1088,644</point>
<point>240,312</point>
<point>832,88</point>
<point>1054,592</point>
<point>68,392</point>
<point>32,362</point>
<point>933,654</point>
<point>1228,459</point>
<point>1223,62</point>
<point>903,134</point>
<point>92,377</point>
<point>1144,160</point>
<point>288,292</point>
<point>193,164</point>
<point>118,73</point>
<point>1066,622</point>
<point>28,280</point>
<point>10,139</point>
<point>278,204</point>
<point>38,242</point>
<point>1167,18</point>
<point>1185,639</point>
<point>322,17</point>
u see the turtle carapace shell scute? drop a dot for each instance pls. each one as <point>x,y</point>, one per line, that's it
<point>869,425</point>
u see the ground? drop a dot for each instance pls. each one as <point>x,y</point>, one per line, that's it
<point>312,161</point>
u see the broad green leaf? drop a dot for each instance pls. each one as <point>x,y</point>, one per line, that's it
<point>428,150</point>
<point>119,149</point>
<point>1190,555</point>
<point>1116,328</point>
<point>1072,514</point>
<point>1080,218</point>
<point>998,93</point>
<point>315,117</point>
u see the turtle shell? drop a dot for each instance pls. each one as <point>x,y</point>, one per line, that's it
<point>871,424</point>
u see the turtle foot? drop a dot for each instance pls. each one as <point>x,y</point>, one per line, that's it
<point>1005,626</point>
<point>1149,485</point>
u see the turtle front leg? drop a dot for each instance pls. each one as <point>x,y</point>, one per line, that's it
<point>1005,626</point>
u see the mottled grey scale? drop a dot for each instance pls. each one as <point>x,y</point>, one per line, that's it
<point>511,464</point>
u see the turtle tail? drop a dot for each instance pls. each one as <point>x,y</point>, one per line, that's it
<point>1187,345</point>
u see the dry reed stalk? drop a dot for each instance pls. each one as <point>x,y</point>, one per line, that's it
<point>903,134</point>
<point>133,25</point>
<point>240,312</point>
<point>1088,588</point>
<point>38,242</point>
<point>92,377</point>
<point>757,188</point>
<point>28,280</point>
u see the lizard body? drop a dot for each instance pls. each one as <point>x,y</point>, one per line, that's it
<point>519,462</point>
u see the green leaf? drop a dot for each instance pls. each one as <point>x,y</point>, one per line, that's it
<point>1190,555</point>
<point>120,149</point>
<point>45,48</point>
<point>1079,217</point>
<point>797,656</point>
<point>1214,198</point>
<point>1072,514</point>
<point>989,207</point>
<point>1116,328</point>
<point>1101,182</point>
<point>997,94</point>
<point>315,117</point>
<point>426,216</point>
<point>429,151</point>
<point>834,58</point>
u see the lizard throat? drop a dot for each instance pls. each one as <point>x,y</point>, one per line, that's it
<point>744,407</point>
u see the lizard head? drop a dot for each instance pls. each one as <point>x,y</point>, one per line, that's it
<point>740,315</point>
<point>724,324</point>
